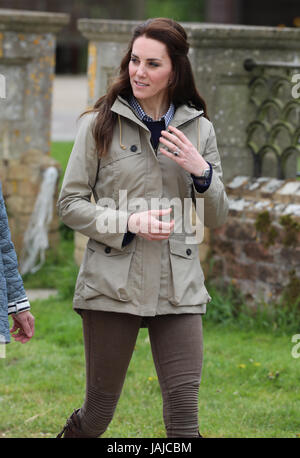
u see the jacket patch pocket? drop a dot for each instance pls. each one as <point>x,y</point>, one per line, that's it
<point>107,271</point>
<point>186,282</point>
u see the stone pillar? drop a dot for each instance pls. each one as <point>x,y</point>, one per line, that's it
<point>27,63</point>
<point>108,41</point>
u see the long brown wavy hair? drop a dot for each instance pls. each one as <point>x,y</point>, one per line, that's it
<point>182,89</point>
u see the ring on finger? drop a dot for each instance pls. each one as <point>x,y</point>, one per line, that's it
<point>177,152</point>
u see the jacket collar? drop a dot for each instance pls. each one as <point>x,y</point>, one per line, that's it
<point>123,108</point>
<point>183,114</point>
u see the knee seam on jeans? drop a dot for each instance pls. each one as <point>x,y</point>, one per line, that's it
<point>179,403</point>
<point>98,410</point>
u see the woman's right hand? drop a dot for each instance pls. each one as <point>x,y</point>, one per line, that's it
<point>23,326</point>
<point>147,225</point>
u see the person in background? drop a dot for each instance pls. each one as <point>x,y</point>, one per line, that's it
<point>13,299</point>
<point>149,136</point>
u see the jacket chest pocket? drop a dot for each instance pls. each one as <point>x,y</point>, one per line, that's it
<point>107,271</point>
<point>124,165</point>
<point>125,144</point>
<point>186,282</point>
<point>128,164</point>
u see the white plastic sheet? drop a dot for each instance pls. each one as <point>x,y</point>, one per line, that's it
<point>36,236</point>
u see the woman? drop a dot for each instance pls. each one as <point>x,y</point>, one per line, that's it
<point>154,143</point>
<point>13,299</point>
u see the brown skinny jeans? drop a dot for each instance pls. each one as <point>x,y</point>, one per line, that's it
<point>176,343</point>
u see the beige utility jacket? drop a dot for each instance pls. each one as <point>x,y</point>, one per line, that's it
<point>144,277</point>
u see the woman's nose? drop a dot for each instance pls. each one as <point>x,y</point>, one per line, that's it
<point>141,70</point>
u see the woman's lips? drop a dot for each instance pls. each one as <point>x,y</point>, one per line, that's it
<point>139,84</point>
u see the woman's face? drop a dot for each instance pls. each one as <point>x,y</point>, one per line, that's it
<point>150,69</point>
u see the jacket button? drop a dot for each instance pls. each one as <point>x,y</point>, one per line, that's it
<point>133,148</point>
<point>188,251</point>
<point>107,249</point>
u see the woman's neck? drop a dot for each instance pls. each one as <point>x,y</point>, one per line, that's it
<point>154,108</point>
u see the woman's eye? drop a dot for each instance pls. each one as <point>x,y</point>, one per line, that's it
<point>134,60</point>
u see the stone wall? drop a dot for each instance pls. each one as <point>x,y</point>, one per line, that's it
<point>27,61</point>
<point>258,248</point>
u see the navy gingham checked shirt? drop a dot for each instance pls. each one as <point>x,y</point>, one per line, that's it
<point>167,117</point>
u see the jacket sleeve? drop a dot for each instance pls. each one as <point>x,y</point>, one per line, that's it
<point>215,198</point>
<point>74,203</point>
<point>16,295</point>
<point>202,187</point>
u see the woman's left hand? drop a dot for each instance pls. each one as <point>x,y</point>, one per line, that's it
<point>188,157</point>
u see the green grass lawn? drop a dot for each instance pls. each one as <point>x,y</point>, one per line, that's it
<point>250,381</point>
<point>61,152</point>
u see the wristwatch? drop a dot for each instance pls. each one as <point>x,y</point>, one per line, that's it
<point>205,174</point>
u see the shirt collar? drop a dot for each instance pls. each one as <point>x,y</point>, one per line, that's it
<point>167,117</point>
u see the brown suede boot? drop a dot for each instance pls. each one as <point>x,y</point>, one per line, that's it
<point>72,428</point>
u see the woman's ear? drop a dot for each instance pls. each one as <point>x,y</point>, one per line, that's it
<point>171,78</point>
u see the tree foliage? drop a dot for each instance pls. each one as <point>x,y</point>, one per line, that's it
<point>180,10</point>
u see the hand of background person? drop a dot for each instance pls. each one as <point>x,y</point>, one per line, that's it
<point>188,158</point>
<point>23,326</point>
<point>147,225</point>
